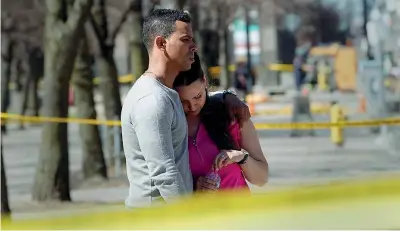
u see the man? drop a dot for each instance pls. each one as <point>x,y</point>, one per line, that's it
<point>154,128</point>
<point>304,43</point>
<point>244,78</point>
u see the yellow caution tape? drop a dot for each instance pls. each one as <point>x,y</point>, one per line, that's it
<point>365,204</point>
<point>326,125</point>
<point>281,67</point>
<point>122,79</point>
<point>42,119</point>
<point>263,126</point>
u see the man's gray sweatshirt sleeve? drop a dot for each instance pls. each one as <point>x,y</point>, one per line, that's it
<point>153,125</point>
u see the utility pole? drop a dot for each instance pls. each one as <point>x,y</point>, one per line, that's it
<point>268,43</point>
<point>365,31</point>
<point>248,44</point>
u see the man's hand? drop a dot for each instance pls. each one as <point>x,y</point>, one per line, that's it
<point>237,108</point>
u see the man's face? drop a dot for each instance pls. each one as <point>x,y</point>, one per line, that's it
<point>180,47</point>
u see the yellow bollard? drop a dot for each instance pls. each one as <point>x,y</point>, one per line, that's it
<point>337,116</point>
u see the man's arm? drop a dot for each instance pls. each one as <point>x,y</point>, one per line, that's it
<point>153,121</point>
<point>236,108</point>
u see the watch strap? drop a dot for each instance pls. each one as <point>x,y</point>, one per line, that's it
<point>244,160</point>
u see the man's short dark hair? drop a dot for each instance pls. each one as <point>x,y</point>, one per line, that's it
<point>161,22</point>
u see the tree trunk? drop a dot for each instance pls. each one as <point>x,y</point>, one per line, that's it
<point>225,79</point>
<point>196,11</point>
<point>108,74</point>
<point>17,72</point>
<point>36,65</point>
<point>180,4</point>
<point>109,87</point>
<point>25,76</point>
<point>30,96</point>
<point>93,161</point>
<point>222,54</point>
<point>63,31</point>
<point>5,208</point>
<point>33,103</point>
<point>138,54</point>
<point>30,99</point>
<point>7,59</point>
<point>25,97</point>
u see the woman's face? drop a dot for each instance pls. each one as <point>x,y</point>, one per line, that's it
<point>193,96</point>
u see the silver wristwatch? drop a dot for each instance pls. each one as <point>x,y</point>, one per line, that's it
<point>245,158</point>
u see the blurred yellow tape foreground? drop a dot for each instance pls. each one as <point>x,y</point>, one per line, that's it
<point>372,204</point>
<point>262,126</point>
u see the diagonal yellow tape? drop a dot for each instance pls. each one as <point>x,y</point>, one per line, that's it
<point>7,118</point>
<point>361,204</point>
<point>42,119</point>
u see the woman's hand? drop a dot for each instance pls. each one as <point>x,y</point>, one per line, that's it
<point>226,157</point>
<point>204,184</point>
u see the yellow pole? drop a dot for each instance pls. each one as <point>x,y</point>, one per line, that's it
<point>337,116</point>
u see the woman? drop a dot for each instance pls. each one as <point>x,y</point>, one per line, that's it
<point>216,142</point>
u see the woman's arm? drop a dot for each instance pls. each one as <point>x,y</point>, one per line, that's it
<point>255,169</point>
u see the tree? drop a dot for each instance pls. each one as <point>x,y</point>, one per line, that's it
<point>107,69</point>
<point>27,34</point>
<point>93,157</point>
<point>7,51</point>
<point>180,4</point>
<point>5,207</point>
<point>34,73</point>
<point>138,55</point>
<point>197,16</point>
<point>312,14</point>
<point>64,26</point>
<point>225,16</point>
<point>210,22</point>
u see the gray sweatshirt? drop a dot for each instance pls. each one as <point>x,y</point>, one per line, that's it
<point>154,134</point>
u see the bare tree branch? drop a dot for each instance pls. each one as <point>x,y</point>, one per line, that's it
<point>121,21</point>
<point>100,16</point>
<point>96,28</point>
<point>75,17</point>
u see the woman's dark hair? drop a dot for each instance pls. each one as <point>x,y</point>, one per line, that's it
<point>214,114</point>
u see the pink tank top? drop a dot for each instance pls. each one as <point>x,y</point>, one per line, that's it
<point>202,152</point>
